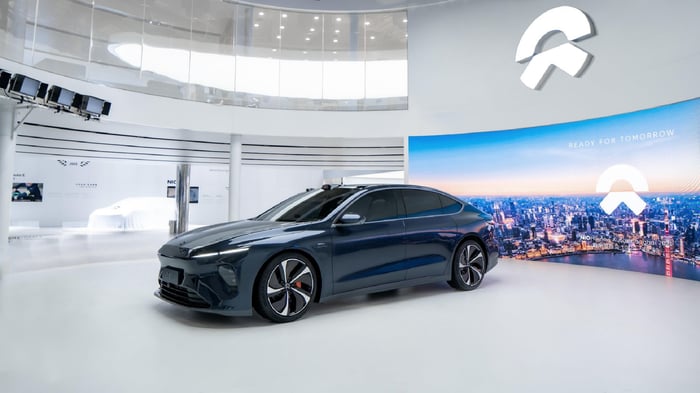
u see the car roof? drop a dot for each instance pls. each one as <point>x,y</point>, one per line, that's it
<point>392,186</point>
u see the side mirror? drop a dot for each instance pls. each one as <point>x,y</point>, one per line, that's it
<point>351,218</point>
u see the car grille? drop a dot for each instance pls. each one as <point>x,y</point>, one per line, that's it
<point>182,295</point>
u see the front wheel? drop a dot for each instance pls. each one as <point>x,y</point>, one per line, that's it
<point>285,288</point>
<point>468,266</point>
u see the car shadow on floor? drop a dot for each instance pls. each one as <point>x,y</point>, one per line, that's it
<point>347,304</point>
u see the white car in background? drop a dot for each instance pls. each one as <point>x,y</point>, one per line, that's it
<point>137,213</point>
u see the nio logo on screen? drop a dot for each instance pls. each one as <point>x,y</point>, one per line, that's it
<point>622,173</point>
<point>568,57</point>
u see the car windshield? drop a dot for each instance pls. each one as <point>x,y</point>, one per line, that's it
<point>308,206</point>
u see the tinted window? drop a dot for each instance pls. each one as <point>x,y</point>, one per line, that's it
<point>376,206</point>
<point>421,203</point>
<point>449,205</point>
<point>310,206</point>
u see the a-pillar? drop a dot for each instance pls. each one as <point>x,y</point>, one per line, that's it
<point>7,154</point>
<point>182,198</point>
<point>234,178</point>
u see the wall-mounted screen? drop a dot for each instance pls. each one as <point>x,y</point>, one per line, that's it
<point>27,192</point>
<point>621,192</point>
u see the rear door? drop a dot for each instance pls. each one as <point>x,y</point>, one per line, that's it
<point>370,253</point>
<point>431,233</point>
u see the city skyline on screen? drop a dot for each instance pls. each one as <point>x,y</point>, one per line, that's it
<point>662,143</point>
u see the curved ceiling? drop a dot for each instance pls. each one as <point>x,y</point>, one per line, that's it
<point>342,5</point>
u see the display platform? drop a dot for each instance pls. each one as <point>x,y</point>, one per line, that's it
<point>532,326</point>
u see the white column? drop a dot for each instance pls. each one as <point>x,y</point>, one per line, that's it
<point>234,178</point>
<point>7,154</point>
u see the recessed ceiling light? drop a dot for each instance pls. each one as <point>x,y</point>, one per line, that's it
<point>274,49</point>
<point>256,25</point>
<point>284,15</point>
<point>337,31</point>
<point>305,52</point>
<point>405,21</point>
<point>316,17</point>
<point>335,53</point>
<point>335,40</point>
<point>312,29</point>
<point>279,37</point>
<point>261,13</point>
<point>338,19</point>
<point>282,27</point>
<point>371,37</point>
<point>367,23</point>
<point>308,38</point>
<point>406,35</point>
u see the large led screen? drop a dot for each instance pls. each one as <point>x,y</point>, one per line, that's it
<point>621,192</point>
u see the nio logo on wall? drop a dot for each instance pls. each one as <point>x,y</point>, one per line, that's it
<point>622,173</point>
<point>568,57</point>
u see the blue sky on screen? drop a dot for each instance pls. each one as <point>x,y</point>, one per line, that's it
<point>663,143</point>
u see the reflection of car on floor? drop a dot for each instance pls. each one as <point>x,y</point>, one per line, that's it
<point>326,243</point>
<point>134,214</point>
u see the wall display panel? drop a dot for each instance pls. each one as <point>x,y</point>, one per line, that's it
<point>27,192</point>
<point>621,192</point>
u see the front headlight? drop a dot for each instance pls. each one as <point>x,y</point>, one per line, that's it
<point>207,252</point>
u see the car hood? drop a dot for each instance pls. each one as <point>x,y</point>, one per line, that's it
<point>243,231</point>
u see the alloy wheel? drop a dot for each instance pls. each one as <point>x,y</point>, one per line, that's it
<point>290,287</point>
<point>471,264</point>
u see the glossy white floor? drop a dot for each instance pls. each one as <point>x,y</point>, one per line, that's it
<point>95,326</point>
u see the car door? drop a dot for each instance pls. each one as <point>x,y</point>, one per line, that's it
<point>369,253</point>
<point>431,234</point>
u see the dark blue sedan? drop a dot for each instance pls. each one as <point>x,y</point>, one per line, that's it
<point>333,241</point>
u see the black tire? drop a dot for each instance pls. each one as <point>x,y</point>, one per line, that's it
<point>468,266</point>
<point>285,288</point>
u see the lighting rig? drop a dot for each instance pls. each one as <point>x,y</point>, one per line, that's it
<point>25,89</point>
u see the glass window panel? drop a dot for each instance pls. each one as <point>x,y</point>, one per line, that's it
<point>387,67</point>
<point>343,68</point>
<point>16,28</point>
<point>62,40</point>
<point>257,54</point>
<point>115,57</point>
<point>213,61</point>
<point>301,67</point>
<point>165,59</point>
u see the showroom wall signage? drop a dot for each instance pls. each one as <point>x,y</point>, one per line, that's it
<point>621,191</point>
<point>568,57</point>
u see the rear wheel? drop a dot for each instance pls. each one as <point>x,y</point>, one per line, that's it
<point>468,266</point>
<point>285,288</point>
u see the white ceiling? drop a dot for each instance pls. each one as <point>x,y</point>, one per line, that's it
<point>342,5</point>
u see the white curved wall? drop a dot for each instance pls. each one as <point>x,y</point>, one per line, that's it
<point>463,77</point>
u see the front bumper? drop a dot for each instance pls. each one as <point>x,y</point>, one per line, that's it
<point>201,288</point>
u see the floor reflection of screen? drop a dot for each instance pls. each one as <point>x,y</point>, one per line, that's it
<point>27,192</point>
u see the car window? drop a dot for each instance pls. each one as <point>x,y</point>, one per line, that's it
<point>450,205</point>
<point>420,203</point>
<point>310,206</point>
<point>377,206</point>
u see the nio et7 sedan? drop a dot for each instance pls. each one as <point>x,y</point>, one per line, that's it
<point>328,242</point>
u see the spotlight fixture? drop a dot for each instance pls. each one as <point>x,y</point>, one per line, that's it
<point>90,107</point>
<point>24,87</point>
<point>60,98</point>
<point>4,79</point>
